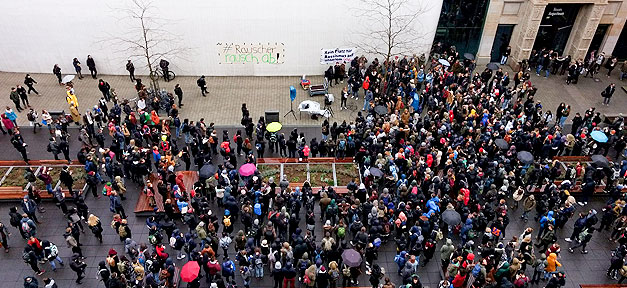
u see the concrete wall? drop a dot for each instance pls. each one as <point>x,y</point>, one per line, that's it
<point>39,33</point>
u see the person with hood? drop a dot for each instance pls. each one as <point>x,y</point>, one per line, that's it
<point>30,258</point>
<point>446,251</point>
<point>30,282</point>
<point>551,265</point>
<point>103,272</point>
<point>78,266</point>
<point>289,276</point>
<point>51,253</point>
<point>322,278</point>
<point>544,221</point>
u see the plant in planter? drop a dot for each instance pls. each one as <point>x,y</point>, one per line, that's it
<point>321,174</point>
<point>345,173</point>
<point>15,178</point>
<point>270,170</point>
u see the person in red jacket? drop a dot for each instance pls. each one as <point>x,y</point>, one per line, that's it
<point>213,268</point>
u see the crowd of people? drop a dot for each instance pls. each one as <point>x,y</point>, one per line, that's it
<point>441,152</point>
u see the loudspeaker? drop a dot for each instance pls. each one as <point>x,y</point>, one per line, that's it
<point>272,116</point>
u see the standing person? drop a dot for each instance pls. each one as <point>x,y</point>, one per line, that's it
<point>23,95</point>
<point>64,147</point>
<point>344,98</point>
<point>50,283</point>
<point>164,64</point>
<point>202,83</point>
<point>116,204</point>
<point>56,70</point>
<point>77,67</point>
<point>610,64</point>
<point>505,54</point>
<point>104,88</point>
<point>179,93</point>
<point>78,266</point>
<point>92,66</point>
<point>66,178</point>
<point>15,97</point>
<point>607,94</point>
<point>19,145</point>
<point>131,70</point>
<point>4,237</point>
<point>30,282</point>
<point>29,82</point>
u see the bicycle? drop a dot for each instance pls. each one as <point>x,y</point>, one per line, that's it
<point>157,73</point>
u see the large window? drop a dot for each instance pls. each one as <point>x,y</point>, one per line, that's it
<point>461,24</point>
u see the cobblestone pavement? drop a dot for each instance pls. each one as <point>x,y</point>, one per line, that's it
<point>222,105</point>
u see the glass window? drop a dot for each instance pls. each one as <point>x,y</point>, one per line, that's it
<point>461,24</point>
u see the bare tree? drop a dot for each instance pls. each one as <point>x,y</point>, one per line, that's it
<point>147,37</point>
<point>388,27</point>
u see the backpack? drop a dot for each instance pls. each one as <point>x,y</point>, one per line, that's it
<point>172,241</point>
<point>30,117</point>
<point>346,271</point>
<point>151,238</point>
<point>26,227</point>
<point>341,231</point>
<point>583,234</point>
<point>54,250</point>
<point>122,232</point>
<point>476,270</point>
<point>227,221</point>
<point>26,256</point>
<point>341,145</point>
<point>227,268</point>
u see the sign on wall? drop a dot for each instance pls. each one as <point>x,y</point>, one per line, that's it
<point>250,53</point>
<point>330,56</point>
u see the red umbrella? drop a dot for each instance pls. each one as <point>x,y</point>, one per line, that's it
<point>190,271</point>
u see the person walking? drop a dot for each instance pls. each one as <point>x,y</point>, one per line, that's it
<point>77,67</point>
<point>32,117</point>
<point>51,253</point>
<point>15,97</point>
<point>179,93</point>
<point>30,282</point>
<point>92,66</point>
<point>78,266</point>
<point>583,239</point>
<point>202,83</point>
<point>19,145</point>
<point>131,70</point>
<point>115,204</point>
<point>56,70</point>
<point>104,88</point>
<point>607,94</point>
<point>95,226</point>
<point>29,82</point>
<point>30,258</point>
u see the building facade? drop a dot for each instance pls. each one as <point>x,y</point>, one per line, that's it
<point>570,27</point>
<point>222,38</point>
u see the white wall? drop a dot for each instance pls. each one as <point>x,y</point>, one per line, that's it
<point>39,33</point>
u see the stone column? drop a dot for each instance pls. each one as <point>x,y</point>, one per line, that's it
<point>583,30</point>
<point>490,26</point>
<point>525,32</point>
<point>616,28</point>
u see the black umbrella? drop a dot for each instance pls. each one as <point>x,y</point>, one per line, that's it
<point>376,172</point>
<point>380,109</point>
<point>207,170</point>
<point>451,217</point>
<point>469,56</point>
<point>493,66</point>
<point>501,143</point>
<point>600,161</point>
<point>525,157</point>
<point>351,258</point>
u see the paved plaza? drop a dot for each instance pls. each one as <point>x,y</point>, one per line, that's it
<point>222,105</point>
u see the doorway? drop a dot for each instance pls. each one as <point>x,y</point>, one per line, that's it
<point>501,41</point>
<point>598,38</point>
<point>556,26</point>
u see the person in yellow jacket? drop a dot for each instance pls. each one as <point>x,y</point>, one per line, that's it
<point>71,98</point>
<point>76,116</point>
<point>551,264</point>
